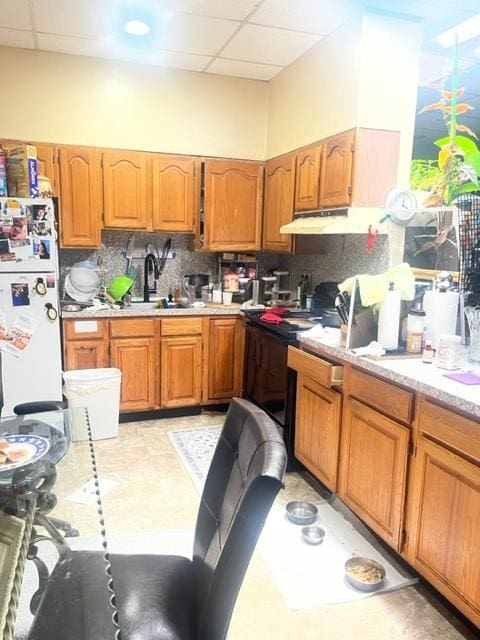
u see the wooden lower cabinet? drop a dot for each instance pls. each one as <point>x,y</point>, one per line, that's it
<point>137,360</point>
<point>445,524</point>
<point>223,368</point>
<point>181,371</point>
<point>317,429</point>
<point>86,354</point>
<point>373,469</point>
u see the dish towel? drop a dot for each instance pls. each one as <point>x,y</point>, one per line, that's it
<point>374,288</point>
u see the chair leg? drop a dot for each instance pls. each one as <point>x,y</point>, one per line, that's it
<point>66,527</point>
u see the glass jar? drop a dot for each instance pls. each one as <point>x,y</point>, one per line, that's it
<point>415,327</point>
<point>473,317</point>
<point>449,352</point>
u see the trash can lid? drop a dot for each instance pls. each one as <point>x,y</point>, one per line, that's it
<point>91,375</point>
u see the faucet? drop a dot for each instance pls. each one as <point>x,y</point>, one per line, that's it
<point>150,266</point>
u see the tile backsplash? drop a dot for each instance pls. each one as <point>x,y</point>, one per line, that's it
<point>338,257</point>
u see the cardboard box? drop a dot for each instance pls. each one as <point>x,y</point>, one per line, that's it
<point>22,180</point>
<point>3,174</point>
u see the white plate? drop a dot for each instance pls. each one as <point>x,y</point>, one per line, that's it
<point>34,446</point>
<point>75,294</point>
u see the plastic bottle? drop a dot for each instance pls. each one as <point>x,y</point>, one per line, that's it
<point>427,355</point>
<point>389,319</point>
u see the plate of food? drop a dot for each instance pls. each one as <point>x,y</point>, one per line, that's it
<point>19,450</point>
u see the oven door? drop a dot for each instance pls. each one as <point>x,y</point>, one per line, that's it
<point>265,380</point>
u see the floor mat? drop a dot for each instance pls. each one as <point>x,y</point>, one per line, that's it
<point>306,575</point>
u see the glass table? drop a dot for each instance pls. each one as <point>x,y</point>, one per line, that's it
<point>50,508</point>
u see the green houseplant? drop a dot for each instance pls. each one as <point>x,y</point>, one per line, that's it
<point>458,164</point>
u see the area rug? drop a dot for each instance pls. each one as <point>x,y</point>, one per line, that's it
<point>306,575</point>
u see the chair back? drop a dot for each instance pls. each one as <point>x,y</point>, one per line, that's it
<point>246,473</point>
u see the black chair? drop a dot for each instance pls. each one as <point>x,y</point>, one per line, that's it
<point>171,597</point>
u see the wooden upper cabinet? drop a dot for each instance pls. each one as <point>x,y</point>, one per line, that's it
<point>174,193</point>
<point>126,189</point>
<point>373,469</point>
<point>278,202</point>
<point>307,180</point>
<point>233,205</point>
<point>336,173</point>
<point>46,164</point>
<point>80,196</point>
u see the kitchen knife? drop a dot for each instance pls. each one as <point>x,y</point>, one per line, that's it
<point>166,248</point>
<point>129,253</point>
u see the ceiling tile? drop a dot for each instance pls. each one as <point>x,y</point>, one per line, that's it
<point>85,18</point>
<point>16,38</point>
<point>194,34</point>
<point>268,45</point>
<point>243,69</point>
<point>311,16</point>
<point>229,9</point>
<point>116,50</point>
<point>15,14</point>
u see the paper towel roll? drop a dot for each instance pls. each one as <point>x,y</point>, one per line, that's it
<point>441,308</point>
<point>389,320</point>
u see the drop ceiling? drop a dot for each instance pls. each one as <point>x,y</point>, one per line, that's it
<point>246,38</point>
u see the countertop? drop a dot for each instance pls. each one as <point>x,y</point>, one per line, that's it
<point>410,372</point>
<point>137,310</point>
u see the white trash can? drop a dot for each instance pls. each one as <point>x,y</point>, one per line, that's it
<point>99,391</point>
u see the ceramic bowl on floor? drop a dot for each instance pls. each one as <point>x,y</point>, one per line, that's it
<point>364,574</point>
<point>300,512</point>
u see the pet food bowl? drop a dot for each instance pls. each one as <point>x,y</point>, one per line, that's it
<point>364,574</point>
<point>300,512</point>
<point>313,534</point>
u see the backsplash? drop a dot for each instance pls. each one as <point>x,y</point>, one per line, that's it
<point>338,258</point>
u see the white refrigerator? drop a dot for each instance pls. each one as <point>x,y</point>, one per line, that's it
<point>29,304</point>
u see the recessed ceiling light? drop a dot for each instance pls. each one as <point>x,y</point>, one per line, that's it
<point>137,27</point>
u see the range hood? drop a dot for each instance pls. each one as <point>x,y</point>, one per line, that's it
<point>344,220</point>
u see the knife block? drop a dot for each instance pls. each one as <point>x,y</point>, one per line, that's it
<point>360,331</point>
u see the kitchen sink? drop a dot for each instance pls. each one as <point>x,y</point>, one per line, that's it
<point>154,305</point>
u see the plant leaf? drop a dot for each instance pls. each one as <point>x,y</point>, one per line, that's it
<point>462,107</point>
<point>443,157</point>
<point>463,127</point>
<point>432,107</point>
<point>448,95</point>
<point>465,188</point>
<point>465,144</point>
<point>473,159</point>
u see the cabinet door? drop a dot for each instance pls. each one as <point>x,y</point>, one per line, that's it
<point>224,354</point>
<point>307,179</point>
<point>46,164</point>
<point>233,205</point>
<point>181,378</point>
<point>336,173</point>
<point>317,429</point>
<point>126,189</point>
<point>174,200</point>
<point>373,469</point>
<point>80,196</point>
<point>137,360</point>
<point>86,354</point>
<point>445,528</point>
<point>278,206</point>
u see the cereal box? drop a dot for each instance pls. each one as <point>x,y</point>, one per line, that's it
<point>3,174</point>
<point>22,170</point>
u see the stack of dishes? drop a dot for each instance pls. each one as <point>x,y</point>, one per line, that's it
<point>82,283</point>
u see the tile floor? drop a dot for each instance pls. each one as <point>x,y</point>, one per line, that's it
<point>154,492</point>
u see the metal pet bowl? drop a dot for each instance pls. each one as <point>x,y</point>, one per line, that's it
<point>300,512</point>
<point>364,574</point>
<point>313,534</point>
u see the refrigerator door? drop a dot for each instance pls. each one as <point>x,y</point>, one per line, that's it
<point>29,338</point>
<point>28,238</point>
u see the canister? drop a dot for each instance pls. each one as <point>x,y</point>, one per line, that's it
<point>449,352</point>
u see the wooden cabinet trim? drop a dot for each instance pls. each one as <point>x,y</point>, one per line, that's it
<point>315,367</point>
<point>388,398</point>
<point>72,329</point>
<point>450,429</point>
<point>132,327</point>
<point>181,326</point>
